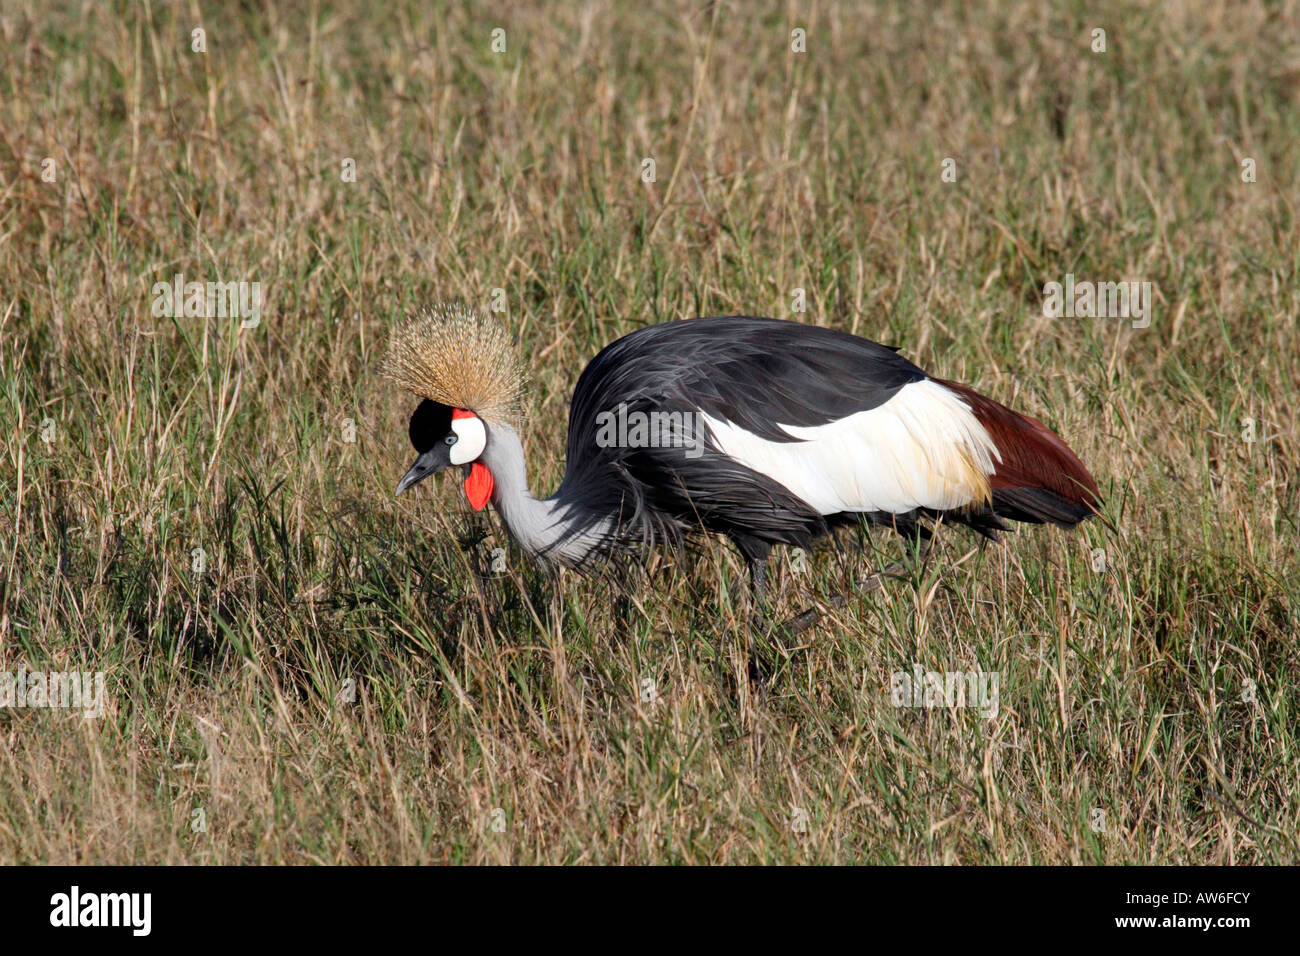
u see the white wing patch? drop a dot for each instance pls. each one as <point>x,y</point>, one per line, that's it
<point>924,448</point>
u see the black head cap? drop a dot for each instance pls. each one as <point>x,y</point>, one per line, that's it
<point>430,422</point>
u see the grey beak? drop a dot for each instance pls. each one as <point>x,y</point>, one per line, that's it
<point>430,463</point>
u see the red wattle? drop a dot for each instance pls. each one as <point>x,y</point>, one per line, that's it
<point>478,486</point>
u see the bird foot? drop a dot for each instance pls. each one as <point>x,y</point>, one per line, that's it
<point>864,585</point>
<point>760,673</point>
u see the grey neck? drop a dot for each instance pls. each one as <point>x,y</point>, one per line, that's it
<point>537,525</point>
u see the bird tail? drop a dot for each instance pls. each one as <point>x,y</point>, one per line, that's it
<point>1039,478</point>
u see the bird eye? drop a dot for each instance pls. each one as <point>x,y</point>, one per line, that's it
<point>450,439</point>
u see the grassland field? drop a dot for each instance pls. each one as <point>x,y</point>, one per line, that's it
<point>300,667</point>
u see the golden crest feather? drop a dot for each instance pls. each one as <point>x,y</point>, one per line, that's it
<point>453,355</point>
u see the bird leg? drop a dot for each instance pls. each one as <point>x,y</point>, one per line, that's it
<point>755,553</point>
<point>758,580</point>
<point>758,669</point>
<point>864,585</point>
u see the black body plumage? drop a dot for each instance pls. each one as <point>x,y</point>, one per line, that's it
<point>755,372</point>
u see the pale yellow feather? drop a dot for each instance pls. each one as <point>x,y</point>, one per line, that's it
<point>453,355</point>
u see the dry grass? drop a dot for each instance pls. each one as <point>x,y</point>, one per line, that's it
<point>1121,691</point>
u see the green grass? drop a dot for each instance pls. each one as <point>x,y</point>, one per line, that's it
<point>1122,690</point>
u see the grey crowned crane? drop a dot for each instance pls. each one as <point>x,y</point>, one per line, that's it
<point>766,431</point>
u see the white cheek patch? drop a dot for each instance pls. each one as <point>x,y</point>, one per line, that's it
<point>471,439</point>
